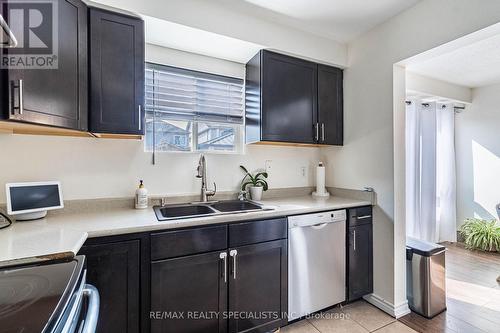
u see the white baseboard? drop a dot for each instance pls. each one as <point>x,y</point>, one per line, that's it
<point>395,311</point>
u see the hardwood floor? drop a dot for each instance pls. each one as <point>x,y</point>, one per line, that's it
<point>473,294</point>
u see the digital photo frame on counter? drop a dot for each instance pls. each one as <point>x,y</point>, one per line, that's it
<point>31,201</point>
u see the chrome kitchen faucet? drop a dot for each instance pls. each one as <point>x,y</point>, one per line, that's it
<point>202,173</point>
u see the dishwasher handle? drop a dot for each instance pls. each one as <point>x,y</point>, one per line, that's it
<point>318,226</point>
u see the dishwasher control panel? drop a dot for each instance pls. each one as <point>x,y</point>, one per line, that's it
<point>317,218</point>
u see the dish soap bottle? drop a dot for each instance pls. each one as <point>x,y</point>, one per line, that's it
<point>141,197</point>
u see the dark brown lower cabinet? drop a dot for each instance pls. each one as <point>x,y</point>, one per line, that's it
<point>114,269</point>
<point>258,287</point>
<point>360,261</point>
<point>242,289</point>
<point>189,294</point>
<point>216,279</point>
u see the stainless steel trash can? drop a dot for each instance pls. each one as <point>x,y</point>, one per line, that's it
<point>425,277</point>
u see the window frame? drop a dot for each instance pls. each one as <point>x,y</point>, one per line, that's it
<point>239,128</point>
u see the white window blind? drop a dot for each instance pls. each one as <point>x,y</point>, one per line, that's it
<point>192,111</point>
<point>182,94</point>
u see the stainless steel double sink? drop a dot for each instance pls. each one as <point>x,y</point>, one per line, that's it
<point>199,209</point>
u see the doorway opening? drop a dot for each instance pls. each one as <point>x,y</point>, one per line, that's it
<point>447,127</point>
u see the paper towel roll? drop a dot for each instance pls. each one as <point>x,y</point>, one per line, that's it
<point>320,181</point>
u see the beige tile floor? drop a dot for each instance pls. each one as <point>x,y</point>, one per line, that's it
<point>358,317</point>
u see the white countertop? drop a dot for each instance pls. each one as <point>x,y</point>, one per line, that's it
<point>63,235</point>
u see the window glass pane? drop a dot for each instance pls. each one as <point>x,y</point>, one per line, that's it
<point>193,111</point>
<point>170,135</point>
<point>217,137</point>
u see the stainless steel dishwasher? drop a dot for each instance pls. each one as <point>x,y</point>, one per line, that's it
<point>316,262</point>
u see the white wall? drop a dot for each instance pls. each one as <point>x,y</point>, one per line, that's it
<point>177,58</point>
<point>420,84</point>
<point>98,168</point>
<point>214,17</point>
<point>477,144</point>
<point>371,144</point>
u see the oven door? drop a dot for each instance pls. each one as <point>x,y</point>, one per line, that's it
<point>82,312</point>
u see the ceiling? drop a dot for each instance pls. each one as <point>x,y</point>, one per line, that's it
<point>181,37</point>
<point>475,65</point>
<point>340,20</point>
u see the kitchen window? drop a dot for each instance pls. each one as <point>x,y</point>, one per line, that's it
<point>190,111</point>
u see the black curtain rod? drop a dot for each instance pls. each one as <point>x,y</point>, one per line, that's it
<point>427,104</point>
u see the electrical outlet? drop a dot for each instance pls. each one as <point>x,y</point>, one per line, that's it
<point>268,165</point>
<point>303,171</point>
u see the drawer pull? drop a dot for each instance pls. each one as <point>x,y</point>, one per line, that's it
<point>233,254</point>
<point>223,256</point>
<point>363,217</point>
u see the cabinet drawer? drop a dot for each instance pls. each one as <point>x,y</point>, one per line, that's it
<point>360,215</point>
<point>257,231</point>
<point>172,244</point>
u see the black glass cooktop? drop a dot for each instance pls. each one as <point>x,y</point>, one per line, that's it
<point>32,297</point>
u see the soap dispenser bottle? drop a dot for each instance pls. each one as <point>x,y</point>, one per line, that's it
<point>141,197</point>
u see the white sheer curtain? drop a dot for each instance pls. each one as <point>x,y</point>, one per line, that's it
<point>430,171</point>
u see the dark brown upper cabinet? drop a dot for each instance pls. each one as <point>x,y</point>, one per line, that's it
<point>116,72</point>
<point>56,96</point>
<point>330,105</point>
<point>292,100</point>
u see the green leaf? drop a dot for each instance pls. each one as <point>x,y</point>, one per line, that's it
<point>263,183</point>
<point>481,234</point>
<point>243,187</point>
<point>247,175</point>
<point>263,174</point>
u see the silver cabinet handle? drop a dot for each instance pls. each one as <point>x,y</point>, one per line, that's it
<point>316,138</point>
<point>140,117</point>
<point>233,254</point>
<point>363,217</point>
<point>20,87</point>
<point>223,256</point>
<point>21,97</point>
<point>323,132</point>
<point>354,238</point>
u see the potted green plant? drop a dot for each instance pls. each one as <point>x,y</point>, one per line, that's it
<point>481,234</point>
<point>255,182</point>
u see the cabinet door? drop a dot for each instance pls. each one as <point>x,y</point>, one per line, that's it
<point>189,294</point>
<point>258,287</point>
<point>56,96</point>
<point>114,269</point>
<point>116,73</point>
<point>289,99</point>
<point>360,261</point>
<point>330,105</point>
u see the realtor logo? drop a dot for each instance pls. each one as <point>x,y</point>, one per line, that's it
<point>28,34</point>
